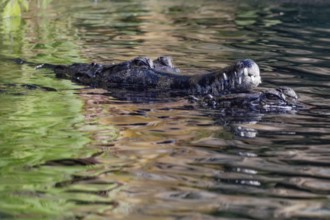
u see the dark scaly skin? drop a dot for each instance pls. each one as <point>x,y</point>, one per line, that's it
<point>142,75</point>
<point>228,89</point>
<point>234,111</point>
<point>281,99</point>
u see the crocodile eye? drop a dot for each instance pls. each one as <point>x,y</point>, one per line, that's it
<point>141,63</point>
<point>271,96</point>
<point>165,61</point>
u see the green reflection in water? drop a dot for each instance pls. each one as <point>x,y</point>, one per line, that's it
<point>36,125</point>
<point>14,8</point>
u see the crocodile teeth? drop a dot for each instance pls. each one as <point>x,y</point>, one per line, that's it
<point>246,72</point>
<point>225,76</point>
<point>239,80</point>
<point>151,63</point>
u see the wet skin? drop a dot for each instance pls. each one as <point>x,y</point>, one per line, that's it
<point>233,87</point>
<point>143,74</point>
<point>281,99</point>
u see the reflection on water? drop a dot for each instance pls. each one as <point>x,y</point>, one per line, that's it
<point>80,153</point>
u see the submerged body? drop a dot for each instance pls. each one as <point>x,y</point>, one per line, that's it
<point>143,74</point>
<point>281,99</point>
<point>233,87</point>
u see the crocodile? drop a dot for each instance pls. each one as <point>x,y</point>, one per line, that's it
<point>281,99</point>
<point>233,87</point>
<point>236,112</point>
<point>144,74</point>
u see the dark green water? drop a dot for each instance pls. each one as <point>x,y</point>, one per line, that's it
<point>72,152</point>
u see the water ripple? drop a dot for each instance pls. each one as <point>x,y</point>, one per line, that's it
<point>95,154</point>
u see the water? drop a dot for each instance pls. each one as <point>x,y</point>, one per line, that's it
<point>70,152</point>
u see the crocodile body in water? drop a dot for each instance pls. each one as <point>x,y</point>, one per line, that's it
<point>232,88</point>
<point>281,99</point>
<point>143,74</point>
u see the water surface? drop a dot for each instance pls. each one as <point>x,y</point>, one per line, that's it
<point>73,152</point>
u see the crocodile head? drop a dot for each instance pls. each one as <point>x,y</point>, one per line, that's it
<point>280,98</point>
<point>245,75</point>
